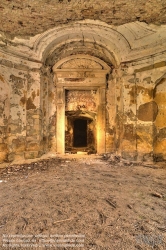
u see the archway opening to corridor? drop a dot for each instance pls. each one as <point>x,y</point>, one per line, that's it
<point>80,133</point>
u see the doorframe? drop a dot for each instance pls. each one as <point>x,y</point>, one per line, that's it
<point>100,124</point>
<point>81,79</point>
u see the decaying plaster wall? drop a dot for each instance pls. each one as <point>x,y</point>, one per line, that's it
<point>159,95</point>
<point>140,114</point>
<point>20,104</point>
<point>13,119</point>
<point>4,116</point>
<point>135,93</point>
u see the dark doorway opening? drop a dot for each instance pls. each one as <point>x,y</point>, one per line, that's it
<point>80,133</point>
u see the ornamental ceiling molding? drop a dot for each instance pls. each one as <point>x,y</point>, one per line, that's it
<point>105,37</point>
<point>126,42</point>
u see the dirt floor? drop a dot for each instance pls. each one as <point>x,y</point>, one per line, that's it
<point>83,202</point>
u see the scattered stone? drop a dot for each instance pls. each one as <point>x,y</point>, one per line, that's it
<point>157,195</point>
<point>2,181</point>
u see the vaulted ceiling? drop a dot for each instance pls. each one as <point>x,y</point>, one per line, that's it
<point>24,18</point>
<point>114,31</point>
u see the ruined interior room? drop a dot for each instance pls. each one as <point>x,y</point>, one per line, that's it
<point>123,64</point>
<point>111,75</point>
<point>84,80</point>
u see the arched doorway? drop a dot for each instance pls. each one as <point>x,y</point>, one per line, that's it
<point>80,132</point>
<point>81,85</point>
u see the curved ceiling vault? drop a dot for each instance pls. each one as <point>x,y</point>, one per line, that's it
<point>111,44</point>
<point>104,42</point>
<point>27,18</point>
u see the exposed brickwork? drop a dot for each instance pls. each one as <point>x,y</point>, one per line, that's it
<point>18,17</point>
